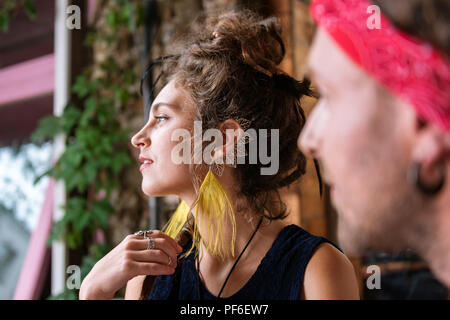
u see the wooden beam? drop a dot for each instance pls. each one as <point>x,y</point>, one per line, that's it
<point>27,80</point>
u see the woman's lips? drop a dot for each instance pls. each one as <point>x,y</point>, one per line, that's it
<point>145,165</point>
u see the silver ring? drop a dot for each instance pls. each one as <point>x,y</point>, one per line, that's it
<point>143,233</point>
<point>170,261</point>
<point>151,243</point>
<point>147,232</point>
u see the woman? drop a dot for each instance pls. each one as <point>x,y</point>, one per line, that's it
<point>227,77</point>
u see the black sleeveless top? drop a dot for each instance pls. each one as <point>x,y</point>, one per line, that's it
<point>279,276</point>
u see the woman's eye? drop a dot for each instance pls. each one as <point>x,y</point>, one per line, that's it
<point>160,119</point>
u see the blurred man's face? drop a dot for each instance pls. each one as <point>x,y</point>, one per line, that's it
<point>362,136</point>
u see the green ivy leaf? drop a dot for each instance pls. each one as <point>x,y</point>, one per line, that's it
<point>48,128</point>
<point>45,173</point>
<point>30,9</point>
<point>81,86</point>
<point>74,239</point>
<point>57,232</point>
<point>101,210</point>
<point>90,171</point>
<point>119,161</point>
<point>90,106</point>
<point>70,117</point>
<point>82,221</point>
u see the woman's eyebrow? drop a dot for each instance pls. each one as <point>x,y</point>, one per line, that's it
<point>156,106</point>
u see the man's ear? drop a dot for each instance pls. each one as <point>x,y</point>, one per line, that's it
<point>231,133</point>
<point>431,149</point>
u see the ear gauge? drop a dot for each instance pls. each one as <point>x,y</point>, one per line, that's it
<point>414,178</point>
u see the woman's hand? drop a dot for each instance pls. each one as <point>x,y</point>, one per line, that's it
<point>129,259</point>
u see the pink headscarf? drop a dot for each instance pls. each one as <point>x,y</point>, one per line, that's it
<point>408,67</point>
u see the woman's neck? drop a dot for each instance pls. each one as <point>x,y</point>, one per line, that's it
<point>246,222</point>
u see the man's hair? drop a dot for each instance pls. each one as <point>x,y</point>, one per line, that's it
<point>428,20</point>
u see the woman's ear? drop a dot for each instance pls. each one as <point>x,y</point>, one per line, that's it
<point>231,133</point>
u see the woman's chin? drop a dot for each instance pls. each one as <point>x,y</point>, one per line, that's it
<point>152,190</point>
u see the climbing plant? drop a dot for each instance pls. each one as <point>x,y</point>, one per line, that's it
<point>10,8</point>
<point>95,140</point>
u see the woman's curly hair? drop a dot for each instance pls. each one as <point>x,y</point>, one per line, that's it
<point>229,65</point>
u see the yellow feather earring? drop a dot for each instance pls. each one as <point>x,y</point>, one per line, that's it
<point>178,219</point>
<point>213,207</point>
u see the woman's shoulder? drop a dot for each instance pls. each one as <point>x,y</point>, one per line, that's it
<point>329,274</point>
<point>319,263</point>
<point>294,238</point>
<point>291,251</point>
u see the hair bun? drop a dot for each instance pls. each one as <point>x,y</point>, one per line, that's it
<point>258,41</point>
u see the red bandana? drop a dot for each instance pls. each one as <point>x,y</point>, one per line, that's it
<point>410,68</point>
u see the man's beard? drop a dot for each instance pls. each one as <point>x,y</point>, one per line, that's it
<point>387,230</point>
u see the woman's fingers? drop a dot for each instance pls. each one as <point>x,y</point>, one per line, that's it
<point>153,255</point>
<point>154,269</point>
<point>141,246</point>
<point>170,240</point>
<point>159,234</point>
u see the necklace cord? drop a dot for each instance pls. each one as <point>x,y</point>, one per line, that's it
<point>234,265</point>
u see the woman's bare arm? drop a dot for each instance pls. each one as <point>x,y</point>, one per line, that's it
<point>134,287</point>
<point>329,275</point>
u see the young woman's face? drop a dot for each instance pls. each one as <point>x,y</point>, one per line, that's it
<point>171,110</point>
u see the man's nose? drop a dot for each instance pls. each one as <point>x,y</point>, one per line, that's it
<point>306,144</point>
<point>309,139</point>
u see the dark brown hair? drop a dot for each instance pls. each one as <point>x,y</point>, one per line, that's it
<point>230,68</point>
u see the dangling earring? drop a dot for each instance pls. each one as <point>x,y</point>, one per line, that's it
<point>178,219</point>
<point>213,206</point>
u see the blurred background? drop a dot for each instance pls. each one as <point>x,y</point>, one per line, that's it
<point>69,103</point>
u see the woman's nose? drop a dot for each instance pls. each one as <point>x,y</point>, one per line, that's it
<point>140,139</point>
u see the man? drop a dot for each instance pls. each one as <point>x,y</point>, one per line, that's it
<point>381,130</point>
